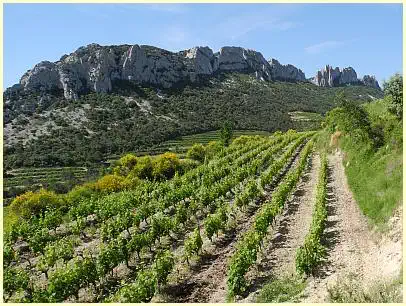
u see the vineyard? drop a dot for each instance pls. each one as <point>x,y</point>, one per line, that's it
<point>186,173</point>
<point>61,179</point>
<point>127,246</point>
<point>156,241</point>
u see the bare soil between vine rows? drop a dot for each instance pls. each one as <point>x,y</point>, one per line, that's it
<point>206,282</point>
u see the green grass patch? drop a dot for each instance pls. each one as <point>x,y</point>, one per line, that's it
<point>373,159</point>
<point>305,116</point>
<point>204,138</point>
<point>350,290</point>
<point>285,289</point>
<point>9,219</point>
<point>375,179</point>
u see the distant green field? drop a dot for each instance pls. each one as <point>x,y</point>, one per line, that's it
<point>306,120</point>
<point>181,144</point>
<point>17,181</point>
<point>205,138</point>
<point>305,116</point>
<point>20,180</point>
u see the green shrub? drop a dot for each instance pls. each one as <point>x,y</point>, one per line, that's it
<point>196,152</point>
<point>80,192</point>
<point>212,148</point>
<point>187,164</point>
<point>125,164</point>
<point>394,89</point>
<point>35,203</point>
<point>143,168</point>
<point>110,183</point>
<point>165,166</point>
<point>241,140</point>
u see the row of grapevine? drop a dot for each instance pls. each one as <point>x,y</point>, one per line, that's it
<point>252,190</point>
<point>193,243</point>
<point>105,207</point>
<point>43,239</point>
<point>148,280</point>
<point>113,227</point>
<point>216,221</point>
<point>213,223</point>
<point>254,186</point>
<point>247,248</point>
<point>119,250</point>
<point>312,252</point>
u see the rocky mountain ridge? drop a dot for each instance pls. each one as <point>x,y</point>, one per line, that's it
<point>94,68</point>
<point>330,77</point>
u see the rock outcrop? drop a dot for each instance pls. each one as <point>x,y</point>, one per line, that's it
<point>95,68</point>
<point>331,77</point>
<point>239,59</point>
<point>370,81</point>
<point>348,76</point>
<point>285,72</point>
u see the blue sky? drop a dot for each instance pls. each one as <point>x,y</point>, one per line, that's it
<point>367,37</point>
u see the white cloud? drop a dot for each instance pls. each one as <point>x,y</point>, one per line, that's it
<point>285,25</point>
<point>324,46</point>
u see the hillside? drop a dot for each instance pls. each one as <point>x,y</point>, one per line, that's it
<point>287,216</point>
<point>230,228</point>
<point>53,131</point>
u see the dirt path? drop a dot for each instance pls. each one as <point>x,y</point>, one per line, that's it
<point>208,282</point>
<point>288,234</point>
<point>351,246</point>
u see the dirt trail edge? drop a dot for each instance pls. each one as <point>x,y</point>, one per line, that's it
<point>289,233</point>
<point>351,246</point>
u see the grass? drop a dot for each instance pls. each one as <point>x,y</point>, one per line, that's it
<point>8,219</point>
<point>204,138</point>
<point>180,145</point>
<point>375,180</point>
<point>374,175</point>
<point>285,289</point>
<point>350,290</point>
<point>305,116</point>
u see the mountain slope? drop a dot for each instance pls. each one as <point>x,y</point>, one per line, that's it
<point>133,117</point>
<point>105,100</point>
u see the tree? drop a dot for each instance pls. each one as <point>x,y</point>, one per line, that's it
<point>226,133</point>
<point>125,164</point>
<point>165,166</point>
<point>35,203</point>
<point>196,152</point>
<point>212,148</point>
<point>394,89</point>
